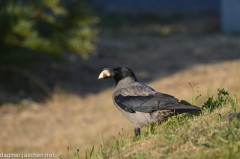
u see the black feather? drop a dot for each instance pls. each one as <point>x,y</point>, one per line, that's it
<point>151,103</point>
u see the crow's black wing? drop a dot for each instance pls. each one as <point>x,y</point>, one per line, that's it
<point>150,103</point>
<point>129,103</point>
<point>136,95</point>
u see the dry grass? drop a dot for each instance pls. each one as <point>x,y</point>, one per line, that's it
<point>209,135</point>
<point>166,63</point>
<point>75,122</point>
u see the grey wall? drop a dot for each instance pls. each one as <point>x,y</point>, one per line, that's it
<point>159,5</point>
<point>230,15</point>
<point>229,9</point>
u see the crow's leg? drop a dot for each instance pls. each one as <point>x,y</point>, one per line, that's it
<point>137,131</point>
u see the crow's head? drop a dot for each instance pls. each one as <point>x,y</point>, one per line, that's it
<point>117,73</point>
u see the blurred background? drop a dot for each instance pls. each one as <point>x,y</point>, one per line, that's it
<point>52,51</point>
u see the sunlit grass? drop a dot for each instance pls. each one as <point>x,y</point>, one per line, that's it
<point>210,134</point>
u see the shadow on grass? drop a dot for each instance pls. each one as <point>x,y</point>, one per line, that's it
<point>152,46</point>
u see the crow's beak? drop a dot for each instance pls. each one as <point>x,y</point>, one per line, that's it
<point>106,73</point>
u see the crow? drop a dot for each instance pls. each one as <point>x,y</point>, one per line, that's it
<point>139,103</point>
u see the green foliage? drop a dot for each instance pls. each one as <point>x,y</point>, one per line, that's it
<point>194,98</point>
<point>90,153</point>
<point>184,102</point>
<point>45,26</point>
<point>212,104</point>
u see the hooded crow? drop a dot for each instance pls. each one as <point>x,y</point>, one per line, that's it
<point>139,103</point>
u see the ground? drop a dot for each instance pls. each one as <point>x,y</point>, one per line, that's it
<point>166,56</point>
